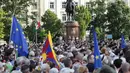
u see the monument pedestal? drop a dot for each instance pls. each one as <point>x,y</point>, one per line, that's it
<point>72,30</point>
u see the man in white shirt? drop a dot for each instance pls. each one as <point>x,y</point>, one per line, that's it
<point>67,68</point>
<point>117,64</point>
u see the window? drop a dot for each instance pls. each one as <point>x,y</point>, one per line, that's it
<point>35,6</point>
<point>63,17</point>
<point>52,5</point>
<point>63,4</point>
<point>88,4</point>
<point>33,0</point>
<point>76,3</point>
<point>34,13</point>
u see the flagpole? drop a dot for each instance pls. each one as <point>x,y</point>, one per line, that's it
<point>12,21</point>
<point>11,25</point>
<point>39,20</point>
<point>11,33</point>
<point>36,36</point>
<point>10,43</point>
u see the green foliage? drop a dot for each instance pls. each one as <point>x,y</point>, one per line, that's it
<point>51,23</point>
<point>98,11</point>
<point>7,24</point>
<point>30,32</point>
<point>100,33</point>
<point>16,7</point>
<point>31,29</point>
<point>43,33</point>
<point>118,17</point>
<point>83,16</point>
<point>1,30</point>
<point>2,14</point>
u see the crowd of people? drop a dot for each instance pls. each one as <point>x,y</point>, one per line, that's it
<point>73,57</point>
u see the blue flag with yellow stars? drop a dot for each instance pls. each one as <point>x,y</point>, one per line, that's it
<point>97,58</point>
<point>123,43</point>
<point>18,38</point>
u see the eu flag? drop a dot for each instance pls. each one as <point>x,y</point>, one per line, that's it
<point>18,38</point>
<point>97,58</point>
<point>48,53</point>
<point>123,43</point>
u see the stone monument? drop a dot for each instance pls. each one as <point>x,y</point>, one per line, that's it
<point>72,26</point>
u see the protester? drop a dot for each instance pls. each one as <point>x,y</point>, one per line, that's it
<point>73,57</point>
<point>90,64</point>
<point>68,65</point>
<point>125,67</point>
<point>107,69</point>
<point>117,64</point>
<point>1,67</point>
<point>83,69</point>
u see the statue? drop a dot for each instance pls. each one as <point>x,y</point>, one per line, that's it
<point>70,10</point>
<point>71,24</point>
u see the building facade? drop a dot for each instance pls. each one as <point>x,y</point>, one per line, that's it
<point>57,6</point>
<point>127,2</point>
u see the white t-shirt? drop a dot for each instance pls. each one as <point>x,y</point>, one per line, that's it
<point>117,57</point>
<point>54,70</point>
<point>16,71</point>
<point>66,70</point>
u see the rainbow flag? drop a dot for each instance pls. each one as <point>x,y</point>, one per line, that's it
<point>48,54</point>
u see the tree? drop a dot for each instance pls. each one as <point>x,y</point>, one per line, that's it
<point>30,31</point>
<point>7,26</point>
<point>16,7</point>
<point>83,16</point>
<point>42,34</point>
<point>98,9</point>
<point>51,23</point>
<point>2,14</point>
<point>118,17</point>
